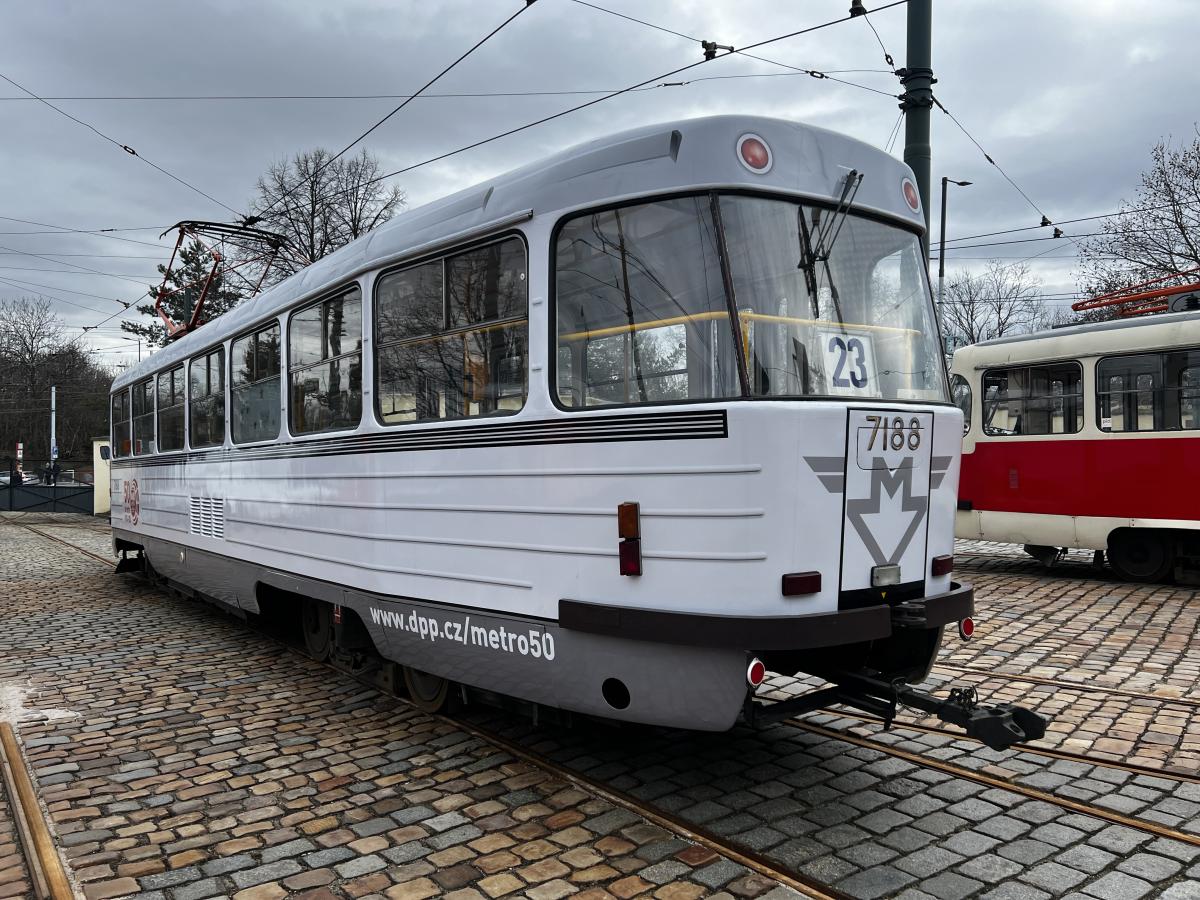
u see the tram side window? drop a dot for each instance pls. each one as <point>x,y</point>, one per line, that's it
<point>641,307</point>
<point>120,424</point>
<point>325,364</point>
<point>1028,400</point>
<point>1189,397</point>
<point>170,409</point>
<point>143,417</point>
<point>453,336</point>
<point>206,400</point>
<point>1149,391</point>
<point>254,387</point>
<point>960,390</point>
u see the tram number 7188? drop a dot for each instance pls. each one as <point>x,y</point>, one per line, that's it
<point>893,433</point>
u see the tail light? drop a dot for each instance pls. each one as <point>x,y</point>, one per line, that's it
<point>629,533</point>
<point>941,565</point>
<point>755,672</point>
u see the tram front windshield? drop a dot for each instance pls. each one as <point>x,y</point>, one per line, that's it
<point>724,296</point>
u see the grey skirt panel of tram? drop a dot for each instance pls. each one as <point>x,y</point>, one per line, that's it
<point>650,682</point>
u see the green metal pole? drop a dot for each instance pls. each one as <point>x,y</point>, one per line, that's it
<point>917,78</point>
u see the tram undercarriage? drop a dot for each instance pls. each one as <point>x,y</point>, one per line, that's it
<point>873,675</point>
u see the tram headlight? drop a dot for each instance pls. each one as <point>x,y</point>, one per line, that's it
<point>885,576</point>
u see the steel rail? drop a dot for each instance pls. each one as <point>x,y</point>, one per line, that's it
<point>55,538</point>
<point>21,825</point>
<point>992,675</point>
<point>748,858</point>
<point>46,867</point>
<point>1051,752</point>
<point>1076,806</point>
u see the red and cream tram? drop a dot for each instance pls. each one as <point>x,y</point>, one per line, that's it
<point>613,433</point>
<point>1086,437</point>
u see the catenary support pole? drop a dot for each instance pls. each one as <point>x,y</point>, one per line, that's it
<point>53,413</point>
<point>941,295</point>
<point>917,100</point>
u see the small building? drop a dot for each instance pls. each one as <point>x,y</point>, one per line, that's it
<point>100,503</point>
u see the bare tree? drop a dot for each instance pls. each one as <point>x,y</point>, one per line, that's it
<point>35,354</point>
<point>998,301</point>
<point>319,205</point>
<point>1157,233</point>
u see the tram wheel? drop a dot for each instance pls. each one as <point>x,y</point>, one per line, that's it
<point>1140,554</point>
<point>427,692</point>
<point>316,621</point>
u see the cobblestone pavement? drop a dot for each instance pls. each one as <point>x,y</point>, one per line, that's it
<point>14,878</point>
<point>207,761</point>
<point>1079,626</point>
<point>182,756</point>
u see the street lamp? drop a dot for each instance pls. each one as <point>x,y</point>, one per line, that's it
<point>138,340</point>
<point>942,251</point>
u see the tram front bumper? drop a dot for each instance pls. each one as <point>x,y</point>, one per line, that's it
<point>766,633</point>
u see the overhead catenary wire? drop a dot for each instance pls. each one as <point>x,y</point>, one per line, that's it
<point>1109,215</point>
<point>100,232</point>
<point>569,110</point>
<point>886,56</point>
<point>68,271</point>
<point>52,297</point>
<point>585,105</point>
<point>71,264</point>
<point>92,255</point>
<point>326,163</point>
<point>1033,240</point>
<point>894,133</point>
<point>54,287</point>
<point>938,103</point>
<point>799,70</point>
<point>119,144</point>
<point>428,95</point>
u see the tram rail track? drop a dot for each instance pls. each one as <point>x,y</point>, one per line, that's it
<point>1077,806</point>
<point>760,863</point>
<point>1033,749</point>
<point>756,862</point>
<point>992,675</point>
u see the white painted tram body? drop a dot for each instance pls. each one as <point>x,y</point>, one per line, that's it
<point>433,428</point>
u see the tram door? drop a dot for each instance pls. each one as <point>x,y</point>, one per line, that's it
<point>886,505</point>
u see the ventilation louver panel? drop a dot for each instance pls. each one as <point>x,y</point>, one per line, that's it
<point>207,516</point>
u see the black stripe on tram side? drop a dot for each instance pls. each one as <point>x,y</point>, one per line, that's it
<point>684,425</point>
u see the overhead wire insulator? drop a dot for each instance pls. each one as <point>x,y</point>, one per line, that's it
<point>711,48</point>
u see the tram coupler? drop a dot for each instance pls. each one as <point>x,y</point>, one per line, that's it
<point>999,725</point>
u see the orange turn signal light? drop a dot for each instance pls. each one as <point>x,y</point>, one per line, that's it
<point>629,521</point>
<point>941,565</point>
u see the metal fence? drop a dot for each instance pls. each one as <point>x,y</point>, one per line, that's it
<point>47,486</point>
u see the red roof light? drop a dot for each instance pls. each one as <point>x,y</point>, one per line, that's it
<point>754,154</point>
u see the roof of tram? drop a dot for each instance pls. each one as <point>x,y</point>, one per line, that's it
<point>1130,335</point>
<point>687,155</point>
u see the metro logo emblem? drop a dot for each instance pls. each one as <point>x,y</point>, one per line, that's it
<point>132,500</point>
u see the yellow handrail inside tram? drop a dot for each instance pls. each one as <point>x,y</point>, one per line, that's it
<point>628,328</point>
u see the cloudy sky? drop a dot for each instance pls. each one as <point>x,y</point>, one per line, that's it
<point>1067,96</point>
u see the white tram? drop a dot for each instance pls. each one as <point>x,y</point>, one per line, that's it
<point>602,433</point>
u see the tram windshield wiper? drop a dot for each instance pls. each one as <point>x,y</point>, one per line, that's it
<point>817,248</point>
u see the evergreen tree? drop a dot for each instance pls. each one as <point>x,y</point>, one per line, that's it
<point>186,280</point>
